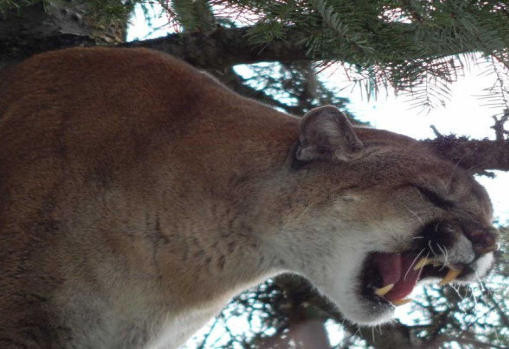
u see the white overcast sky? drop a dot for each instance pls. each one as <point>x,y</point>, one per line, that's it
<point>463,114</point>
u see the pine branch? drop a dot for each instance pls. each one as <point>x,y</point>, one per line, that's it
<point>230,46</point>
<point>227,47</point>
<point>194,15</point>
<point>474,155</point>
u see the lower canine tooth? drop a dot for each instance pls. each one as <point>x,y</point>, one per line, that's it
<point>382,291</point>
<point>401,301</point>
<point>452,274</point>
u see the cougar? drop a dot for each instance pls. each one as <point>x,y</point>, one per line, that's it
<point>138,195</point>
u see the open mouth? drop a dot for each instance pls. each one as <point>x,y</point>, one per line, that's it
<point>391,277</point>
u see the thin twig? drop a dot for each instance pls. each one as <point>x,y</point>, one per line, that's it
<point>500,131</point>
<point>435,131</point>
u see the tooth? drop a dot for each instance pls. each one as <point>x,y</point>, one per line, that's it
<point>401,301</point>
<point>452,274</point>
<point>382,291</point>
<point>424,261</point>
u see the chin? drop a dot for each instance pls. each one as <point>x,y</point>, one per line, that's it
<point>368,312</point>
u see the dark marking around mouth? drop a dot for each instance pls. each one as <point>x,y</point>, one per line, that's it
<point>438,233</point>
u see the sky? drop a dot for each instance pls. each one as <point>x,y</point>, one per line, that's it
<point>464,114</point>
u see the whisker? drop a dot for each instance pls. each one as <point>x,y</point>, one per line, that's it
<point>421,221</point>
<point>445,253</point>
<point>431,249</point>
<point>413,262</point>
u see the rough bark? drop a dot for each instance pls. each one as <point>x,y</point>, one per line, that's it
<point>226,47</point>
<point>53,25</point>
<point>473,155</point>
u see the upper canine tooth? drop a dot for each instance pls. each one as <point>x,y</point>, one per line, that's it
<point>424,261</point>
<point>452,274</point>
<point>382,291</point>
<point>401,301</point>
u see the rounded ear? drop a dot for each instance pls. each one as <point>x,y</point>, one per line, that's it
<point>326,134</point>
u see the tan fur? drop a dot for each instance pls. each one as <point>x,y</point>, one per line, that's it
<point>137,195</point>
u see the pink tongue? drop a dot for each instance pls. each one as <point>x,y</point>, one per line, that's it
<point>397,269</point>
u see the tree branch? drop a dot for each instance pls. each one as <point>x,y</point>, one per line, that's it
<point>474,155</point>
<point>225,47</point>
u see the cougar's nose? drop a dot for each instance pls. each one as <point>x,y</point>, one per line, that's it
<point>483,240</point>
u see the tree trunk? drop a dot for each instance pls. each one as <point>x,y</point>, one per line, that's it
<point>306,329</point>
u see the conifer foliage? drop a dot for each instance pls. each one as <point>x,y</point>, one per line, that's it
<point>417,47</point>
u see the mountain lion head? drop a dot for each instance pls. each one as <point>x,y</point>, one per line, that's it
<point>138,195</point>
<point>380,213</point>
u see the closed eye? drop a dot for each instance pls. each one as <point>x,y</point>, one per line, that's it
<point>434,198</point>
